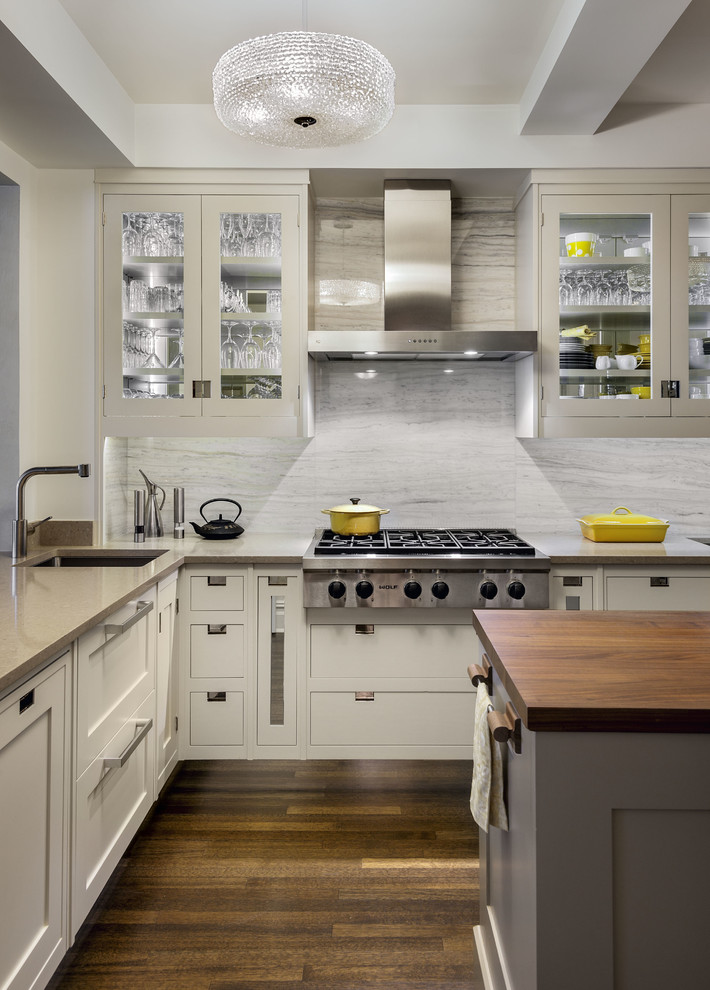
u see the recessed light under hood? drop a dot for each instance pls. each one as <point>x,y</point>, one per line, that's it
<point>418,290</point>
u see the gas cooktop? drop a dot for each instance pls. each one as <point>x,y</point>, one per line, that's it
<point>415,542</point>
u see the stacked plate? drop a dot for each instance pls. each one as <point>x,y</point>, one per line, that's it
<point>573,354</point>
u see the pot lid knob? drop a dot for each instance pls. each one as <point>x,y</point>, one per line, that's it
<point>355,500</point>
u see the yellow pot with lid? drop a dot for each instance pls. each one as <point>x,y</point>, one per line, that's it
<point>623,526</point>
<point>355,519</point>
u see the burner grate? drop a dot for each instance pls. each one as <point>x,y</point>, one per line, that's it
<point>408,542</point>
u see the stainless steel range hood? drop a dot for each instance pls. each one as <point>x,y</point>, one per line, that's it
<point>418,290</point>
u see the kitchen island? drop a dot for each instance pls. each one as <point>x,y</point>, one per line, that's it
<point>602,879</point>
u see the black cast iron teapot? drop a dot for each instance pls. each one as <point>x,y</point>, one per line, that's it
<point>219,529</point>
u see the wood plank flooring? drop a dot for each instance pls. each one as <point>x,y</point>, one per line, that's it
<point>277,875</point>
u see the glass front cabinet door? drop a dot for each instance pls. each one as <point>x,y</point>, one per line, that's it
<point>202,310</point>
<point>605,298</point>
<point>690,304</point>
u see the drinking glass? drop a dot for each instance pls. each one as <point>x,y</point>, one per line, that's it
<point>152,360</point>
<point>131,237</point>
<point>231,352</point>
<point>179,360</point>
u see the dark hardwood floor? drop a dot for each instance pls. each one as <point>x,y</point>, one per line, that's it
<point>276,875</point>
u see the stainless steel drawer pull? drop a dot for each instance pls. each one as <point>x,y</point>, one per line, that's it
<point>143,727</point>
<point>216,695</point>
<point>279,582</point>
<point>364,630</point>
<point>364,696</point>
<point>572,603</point>
<point>571,582</point>
<point>659,582</point>
<point>215,629</point>
<point>217,581</point>
<point>142,608</point>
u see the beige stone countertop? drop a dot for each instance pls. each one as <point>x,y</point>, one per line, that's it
<point>573,548</point>
<point>43,609</point>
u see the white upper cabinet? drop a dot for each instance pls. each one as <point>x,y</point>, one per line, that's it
<point>633,268</point>
<point>205,311</point>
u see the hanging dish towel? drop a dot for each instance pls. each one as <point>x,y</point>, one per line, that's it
<point>487,804</point>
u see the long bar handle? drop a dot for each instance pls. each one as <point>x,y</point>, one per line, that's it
<point>142,608</point>
<point>143,726</point>
<point>482,673</point>
<point>506,726</point>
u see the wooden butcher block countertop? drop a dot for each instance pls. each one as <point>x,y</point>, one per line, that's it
<point>602,671</point>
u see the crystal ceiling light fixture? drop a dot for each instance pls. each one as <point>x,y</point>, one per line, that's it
<point>347,291</point>
<point>304,89</point>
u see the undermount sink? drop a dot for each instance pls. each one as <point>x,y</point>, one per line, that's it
<point>705,540</point>
<point>89,557</point>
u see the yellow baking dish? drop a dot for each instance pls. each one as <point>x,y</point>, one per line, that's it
<point>623,526</point>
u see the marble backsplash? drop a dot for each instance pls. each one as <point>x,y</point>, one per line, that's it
<point>436,448</point>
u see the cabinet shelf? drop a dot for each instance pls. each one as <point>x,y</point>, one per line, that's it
<point>161,320</point>
<point>164,267</point>
<point>250,317</point>
<point>602,262</point>
<point>251,372</point>
<point>567,373</point>
<point>154,374</point>
<point>262,267</point>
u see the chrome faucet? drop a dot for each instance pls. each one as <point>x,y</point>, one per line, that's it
<point>19,523</point>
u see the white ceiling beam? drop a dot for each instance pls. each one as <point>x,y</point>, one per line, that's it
<point>593,53</point>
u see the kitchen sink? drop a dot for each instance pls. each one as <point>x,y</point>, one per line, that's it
<point>705,540</point>
<point>99,558</point>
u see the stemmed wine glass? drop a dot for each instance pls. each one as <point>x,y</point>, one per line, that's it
<point>179,360</point>
<point>251,349</point>
<point>231,352</point>
<point>152,361</point>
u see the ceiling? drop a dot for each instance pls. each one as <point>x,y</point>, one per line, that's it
<point>566,67</point>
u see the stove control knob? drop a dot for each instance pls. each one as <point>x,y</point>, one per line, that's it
<point>516,589</point>
<point>364,589</point>
<point>336,589</point>
<point>440,590</point>
<point>413,589</point>
<point>489,590</point>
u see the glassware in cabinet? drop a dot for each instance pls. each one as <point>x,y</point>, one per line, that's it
<point>691,308</point>
<point>599,306</point>
<point>251,336</point>
<point>144,341</point>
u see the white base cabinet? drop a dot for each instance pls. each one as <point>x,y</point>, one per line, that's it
<point>386,686</point>
<point>166,681</point>
<point>34,763</point>
<point>631,588</point>
<point>115,746</point>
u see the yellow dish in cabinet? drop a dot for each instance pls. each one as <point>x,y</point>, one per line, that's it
<point>623,526</point>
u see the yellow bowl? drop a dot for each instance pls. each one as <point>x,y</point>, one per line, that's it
<point>643,391</point>
<point>623,526</point>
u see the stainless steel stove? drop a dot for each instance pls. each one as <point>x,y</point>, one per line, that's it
<point>425,568</point>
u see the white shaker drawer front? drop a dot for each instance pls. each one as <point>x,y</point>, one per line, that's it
<point>374,650</point>
<point>216,718</point>
<point>217,592</point>
<point>115,673</point>
<point>111,801</point>
<point>664,591</point>
<point>217,650</point>
<point>382,718</point>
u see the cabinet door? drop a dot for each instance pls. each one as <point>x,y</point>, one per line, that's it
<point>33,755</point>
<point>279,605</point>
<point>151,320</point>
<point>690,303</point>
<point>166,683</point>
<point>251,336</point>
<point>606,266</point>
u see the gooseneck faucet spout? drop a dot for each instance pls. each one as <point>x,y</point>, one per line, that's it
<point>19,525</point>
